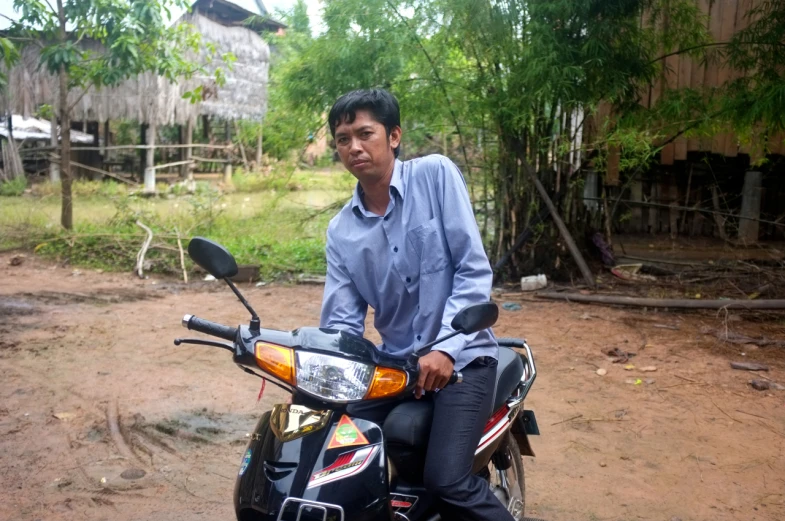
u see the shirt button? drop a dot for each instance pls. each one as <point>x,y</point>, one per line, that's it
<point>408,279</point>
<point>395,249</point>
<point>386,217</point>
<point>419,337</point>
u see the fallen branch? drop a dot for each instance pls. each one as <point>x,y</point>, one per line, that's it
<point>736,338</point>
<point>664,303</point>
<point>145,245</point>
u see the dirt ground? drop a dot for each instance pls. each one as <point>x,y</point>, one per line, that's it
<point>93,393</point>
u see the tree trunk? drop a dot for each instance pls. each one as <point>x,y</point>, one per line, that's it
<point>54,165</point>
<point>67,210</point>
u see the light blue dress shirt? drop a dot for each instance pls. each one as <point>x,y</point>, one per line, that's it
<point>416,266</point>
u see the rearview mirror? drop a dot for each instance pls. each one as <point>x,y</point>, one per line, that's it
<point>213,257</point>
<point>474,318</point>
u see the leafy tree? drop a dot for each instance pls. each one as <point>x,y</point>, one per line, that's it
<point>128,37</point>
<point>508,86</point>
<point>8,57</point>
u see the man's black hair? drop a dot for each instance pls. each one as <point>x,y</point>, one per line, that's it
<point>381,104</point>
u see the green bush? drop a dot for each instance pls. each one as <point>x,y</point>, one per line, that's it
<point>14,187</point>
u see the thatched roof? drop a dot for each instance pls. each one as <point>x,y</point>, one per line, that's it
<point>238,13</point>
<point>148,98</point>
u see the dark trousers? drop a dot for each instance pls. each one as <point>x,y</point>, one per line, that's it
<point>459,417</point>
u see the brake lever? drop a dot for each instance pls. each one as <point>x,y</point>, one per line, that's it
<point>202,342</point>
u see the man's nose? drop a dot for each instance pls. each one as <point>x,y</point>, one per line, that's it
<point>354,146</point>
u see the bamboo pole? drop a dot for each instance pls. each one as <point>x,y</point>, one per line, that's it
<point>126,147</point>
<point>176,163</point>
<point>664,303</point>
<point>588,277</point>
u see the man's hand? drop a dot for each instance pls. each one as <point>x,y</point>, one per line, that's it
<point>435,371</point>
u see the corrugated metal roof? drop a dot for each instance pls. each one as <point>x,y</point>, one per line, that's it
<point>37,130</point>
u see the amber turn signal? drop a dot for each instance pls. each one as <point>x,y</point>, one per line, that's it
<point>276,360</point>
<point>386,382</point>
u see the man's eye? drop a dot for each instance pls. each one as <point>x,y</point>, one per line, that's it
<point>367,134</point>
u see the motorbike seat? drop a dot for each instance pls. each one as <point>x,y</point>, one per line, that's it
<point>410,422</point>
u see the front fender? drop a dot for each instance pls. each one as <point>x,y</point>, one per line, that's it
<point>351,473</point>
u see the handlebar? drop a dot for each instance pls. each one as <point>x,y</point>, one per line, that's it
<point>209,328</point>
<point>456,378</point>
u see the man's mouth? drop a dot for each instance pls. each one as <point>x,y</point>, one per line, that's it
<point>359,162</point>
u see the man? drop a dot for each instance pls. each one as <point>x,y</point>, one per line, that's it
<point>408,245</point>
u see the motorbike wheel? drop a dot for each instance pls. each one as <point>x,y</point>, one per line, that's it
<point>509,485</point>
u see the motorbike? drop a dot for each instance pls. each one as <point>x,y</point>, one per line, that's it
<point>314,459</point>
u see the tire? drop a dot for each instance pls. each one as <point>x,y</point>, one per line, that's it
<point>515,478</point>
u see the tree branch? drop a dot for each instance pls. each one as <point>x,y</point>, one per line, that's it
<point>78,99</point>
<point>715,44</point>
<point>438,78</point>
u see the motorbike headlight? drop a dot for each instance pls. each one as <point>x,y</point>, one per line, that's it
<point>331,377</point>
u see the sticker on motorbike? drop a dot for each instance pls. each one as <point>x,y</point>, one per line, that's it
<point>246,462</point>
<point>346,435</point>
<point>347,464</point>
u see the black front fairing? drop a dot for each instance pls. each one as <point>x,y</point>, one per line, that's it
<point>278,470</point>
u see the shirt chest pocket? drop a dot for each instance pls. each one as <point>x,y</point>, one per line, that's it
<point>430,245</point>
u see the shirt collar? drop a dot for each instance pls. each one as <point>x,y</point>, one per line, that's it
<point>396,186</point>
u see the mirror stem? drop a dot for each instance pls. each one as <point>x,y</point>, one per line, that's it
<point>427,347</point>
<point>255,323</point>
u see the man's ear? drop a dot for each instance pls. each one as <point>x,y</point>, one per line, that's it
<point>395,137</point>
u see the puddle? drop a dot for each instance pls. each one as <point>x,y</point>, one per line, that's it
<point>97,297</point>
<point>10,306</point>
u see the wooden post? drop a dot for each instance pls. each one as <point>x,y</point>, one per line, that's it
<point>242,147</point>
<point>653,212</point>
<point>228,165</point>
<point>186,171</point>
<point>107,139</point>
<point>673,212</point>
<point>149,171</point>
<point>259,146</point>
<point>206,128</point>
<point>719,220</point>
<point>142,151</point>
<point>750,208</point>
<point>54,166</point>
<point>636,194</point>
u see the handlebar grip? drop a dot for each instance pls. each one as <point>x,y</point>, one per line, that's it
<point>209,328</point>
<point>456,378</point>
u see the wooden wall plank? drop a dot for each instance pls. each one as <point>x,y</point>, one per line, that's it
<point>667,155</point>
<point>731,146</point>
<point>719,10</point>
<point>685,81</point>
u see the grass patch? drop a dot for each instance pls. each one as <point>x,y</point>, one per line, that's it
<point>283,231</point>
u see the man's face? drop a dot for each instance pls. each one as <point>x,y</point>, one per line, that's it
<point>364,147</point>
